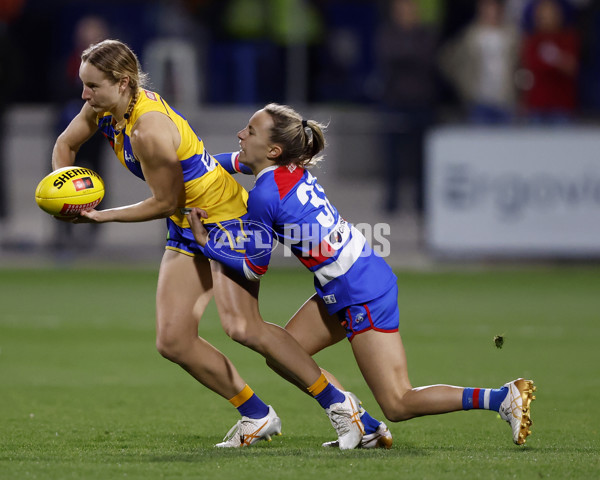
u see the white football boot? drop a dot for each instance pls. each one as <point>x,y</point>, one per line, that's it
<point>380,438</point>
<point>515,408</point>
<point>345,418</point>
<point>248,431</point>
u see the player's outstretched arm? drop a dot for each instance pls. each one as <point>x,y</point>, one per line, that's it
<point>231,163</point>
<point>242,247</point>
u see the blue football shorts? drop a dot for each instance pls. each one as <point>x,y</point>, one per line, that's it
<point>182,239</point>
<point>381,314</point>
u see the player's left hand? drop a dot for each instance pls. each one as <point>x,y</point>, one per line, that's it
<point>88,216</point>
<point>83,217</point>
<point>195,218</point>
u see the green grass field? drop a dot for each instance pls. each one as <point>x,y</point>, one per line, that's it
<point>85,395</point>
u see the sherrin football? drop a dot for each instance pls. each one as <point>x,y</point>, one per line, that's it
<point>68,191</point>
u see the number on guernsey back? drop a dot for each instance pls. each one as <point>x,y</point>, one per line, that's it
<point>311,190</point>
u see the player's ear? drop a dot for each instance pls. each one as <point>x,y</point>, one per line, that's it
<point>123,83</point>
<point>274,152</point>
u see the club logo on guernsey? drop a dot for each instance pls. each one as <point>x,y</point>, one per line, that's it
<point>329,299</point>
<point>151,95</point>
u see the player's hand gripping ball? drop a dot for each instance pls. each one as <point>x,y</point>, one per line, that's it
<point>68,191</point>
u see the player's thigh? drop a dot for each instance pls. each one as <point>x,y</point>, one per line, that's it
<point>382,362</point>
<point>236,298</point>
<point>183,291</point>
<point>313,328</point>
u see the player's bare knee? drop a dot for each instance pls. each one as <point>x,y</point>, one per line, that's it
<point>394,409</point>
<point>395,414</point>
<point>170,347</point>
<point>237,329</point>
<point>165,350</point>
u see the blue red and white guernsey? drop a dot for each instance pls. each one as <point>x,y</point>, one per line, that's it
<point>288,205</point>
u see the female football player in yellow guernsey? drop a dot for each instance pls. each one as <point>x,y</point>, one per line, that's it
<point>158,145</point>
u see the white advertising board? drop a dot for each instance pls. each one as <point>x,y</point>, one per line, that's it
<point>510,191</point>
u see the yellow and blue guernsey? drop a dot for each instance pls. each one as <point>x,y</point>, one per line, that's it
<point>207,184</point>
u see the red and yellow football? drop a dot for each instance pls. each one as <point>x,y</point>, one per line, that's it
<point>68,191</point>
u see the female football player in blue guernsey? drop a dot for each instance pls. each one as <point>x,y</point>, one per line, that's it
<point>158,145</point>
<point>356,291</point>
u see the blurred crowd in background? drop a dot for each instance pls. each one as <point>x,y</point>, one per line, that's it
<point>418,62</point>
<point>497,60</point>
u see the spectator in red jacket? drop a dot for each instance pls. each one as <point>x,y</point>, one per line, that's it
<point>550,59</point>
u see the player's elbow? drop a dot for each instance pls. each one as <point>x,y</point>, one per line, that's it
<point>166,208</point>
<point>168,211</point>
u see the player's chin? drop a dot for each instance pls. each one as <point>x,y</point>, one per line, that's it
<point>243,157</point>
<point>97,108</point>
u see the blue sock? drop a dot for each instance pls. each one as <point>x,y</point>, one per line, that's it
<point>329,396</point>
<point>254,407</point>
<point>369,423</point>
<point>483,398</point>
